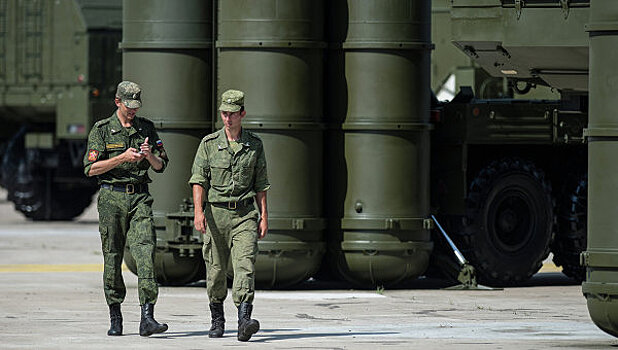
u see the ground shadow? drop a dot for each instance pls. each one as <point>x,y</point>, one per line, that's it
<point>270,335</point>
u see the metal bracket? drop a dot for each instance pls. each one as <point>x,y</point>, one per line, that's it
<point>554,124</point>
<point>298,224</point>
<point>519,4</point>
<point>428,224</point>
<point>584,259</point>
<point>470,51</point>
<point>565,8</point>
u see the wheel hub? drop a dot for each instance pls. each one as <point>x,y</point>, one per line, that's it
<point>510,218</point>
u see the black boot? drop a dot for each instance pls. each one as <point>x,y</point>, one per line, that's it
<point>246,325</point>
<point>148,325</point>
<point>115,318</point>
<point>218,321</point>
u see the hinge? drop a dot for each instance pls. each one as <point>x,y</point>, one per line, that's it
<point>565,8</point>
<point>519,4</point>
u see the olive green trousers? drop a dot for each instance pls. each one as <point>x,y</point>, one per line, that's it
<point>231,237</point>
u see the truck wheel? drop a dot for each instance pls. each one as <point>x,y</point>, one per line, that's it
<point>571,236</point>
<point>39,201</point>
<point>509,222</point>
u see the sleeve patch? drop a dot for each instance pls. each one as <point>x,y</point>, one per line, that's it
<point>159,143</point>
<point>93,154</point>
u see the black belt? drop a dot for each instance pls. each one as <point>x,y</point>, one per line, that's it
<point>234,205</point>
<point>128,188</point>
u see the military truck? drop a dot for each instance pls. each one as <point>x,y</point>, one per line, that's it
<point>571,46</point>
<point>523,164</point>
<point>59,63</point>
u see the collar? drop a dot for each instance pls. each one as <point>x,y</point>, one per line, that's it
<point>223,143</point>
<point>116,127</point>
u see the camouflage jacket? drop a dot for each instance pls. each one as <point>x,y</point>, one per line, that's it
<point>108,138</point>
<point>226,175</point>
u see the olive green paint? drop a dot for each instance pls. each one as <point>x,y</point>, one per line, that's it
<point>386,52</point>
<point>52,54</point>
<point>601,257</point>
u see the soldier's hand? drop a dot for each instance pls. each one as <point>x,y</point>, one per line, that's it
<point>199,221</point>
<point>131,155</point>
<point>262,228</point>
<point>145,148</point>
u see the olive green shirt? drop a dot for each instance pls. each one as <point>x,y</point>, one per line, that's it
<point>108,138</point>
<point>226,175</point>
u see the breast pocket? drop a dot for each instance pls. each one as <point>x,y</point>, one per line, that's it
<point>247,169</point>
<point>220,172</point>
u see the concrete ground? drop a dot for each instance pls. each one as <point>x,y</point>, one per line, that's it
<point>51,298</point>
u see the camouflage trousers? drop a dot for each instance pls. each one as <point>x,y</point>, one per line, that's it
<point>126,219</point>
<point>231,236</point>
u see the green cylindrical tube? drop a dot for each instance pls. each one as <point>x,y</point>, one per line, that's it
<point>386,143</point>
<point>601,256</point>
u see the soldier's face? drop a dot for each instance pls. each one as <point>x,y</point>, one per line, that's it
<point>232,120</point>
<point>124,111</point>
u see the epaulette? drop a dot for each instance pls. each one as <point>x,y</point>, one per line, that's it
<point>101,122</point>
<point>212,136</point>
<point>145,120</point>
<point>254,135</point>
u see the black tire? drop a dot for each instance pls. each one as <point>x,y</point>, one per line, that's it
<point>571,235</point>
<point>509,222</point>
<point>32,188</point>
<point>39,200</point>
<point>13,153</point>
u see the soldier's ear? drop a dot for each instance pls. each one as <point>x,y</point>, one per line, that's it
<point>243,113</point>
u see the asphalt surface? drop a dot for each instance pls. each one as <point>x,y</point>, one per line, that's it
<point>51,297</point>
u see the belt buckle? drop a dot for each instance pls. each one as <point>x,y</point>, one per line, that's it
<point>130,189</point>
<point>231,205</point>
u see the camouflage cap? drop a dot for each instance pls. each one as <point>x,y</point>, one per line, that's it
<point>129,94</point>
<point>232,101</point>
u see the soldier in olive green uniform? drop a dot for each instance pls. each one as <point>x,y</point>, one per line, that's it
<point>229,172</point>
<point>121,149</point>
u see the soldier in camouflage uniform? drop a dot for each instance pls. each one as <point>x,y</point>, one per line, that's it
<point>121,149</point>
<point>229,172</point>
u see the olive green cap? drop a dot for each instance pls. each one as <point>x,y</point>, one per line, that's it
<point>232,101</point>
<point>130,94</point>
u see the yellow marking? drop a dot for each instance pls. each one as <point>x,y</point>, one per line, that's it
<point>54,268</point>
<point>550,267</point>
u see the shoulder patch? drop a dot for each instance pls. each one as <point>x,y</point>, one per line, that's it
<point>93,154</point>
